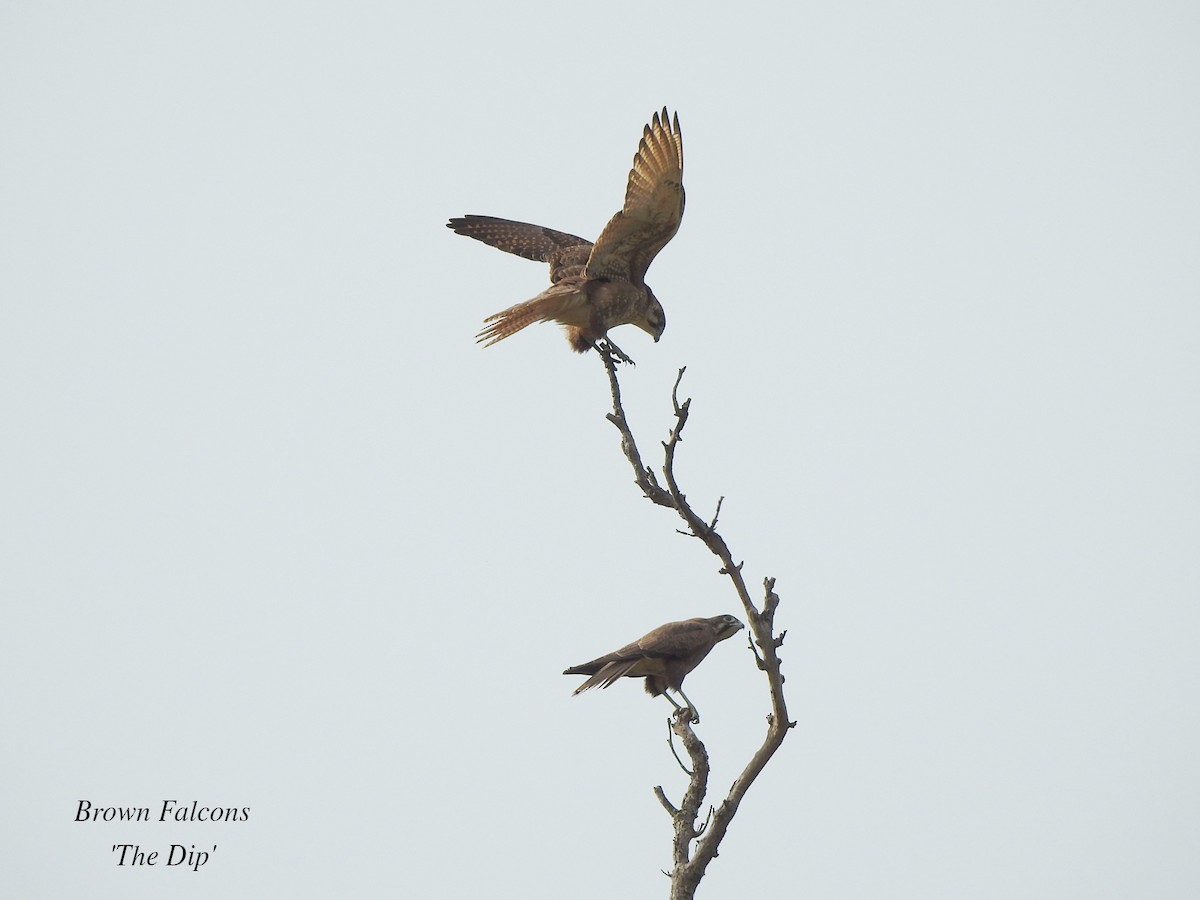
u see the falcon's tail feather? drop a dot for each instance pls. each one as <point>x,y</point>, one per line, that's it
<point>561,302</point>
<point>604,676</point>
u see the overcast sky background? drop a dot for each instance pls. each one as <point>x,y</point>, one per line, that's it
<point>278,534</point>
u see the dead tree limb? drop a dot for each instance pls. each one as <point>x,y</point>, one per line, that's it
<point>691,861</point>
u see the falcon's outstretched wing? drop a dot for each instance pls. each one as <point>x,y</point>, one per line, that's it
<point>561,250</point>
<point>653,208</point>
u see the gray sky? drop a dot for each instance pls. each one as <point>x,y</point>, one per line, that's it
<point>276,534</point>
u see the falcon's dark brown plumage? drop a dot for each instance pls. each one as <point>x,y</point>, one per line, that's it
<point>595,287</point>
<point>664,657</point>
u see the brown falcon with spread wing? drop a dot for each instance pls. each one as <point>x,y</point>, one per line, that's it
<point>664,657</point>
<point>596,287</point>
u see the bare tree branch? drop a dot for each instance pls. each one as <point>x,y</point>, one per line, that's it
<point>671,809</point>
<point>690,862</point>
<point>643,475</point>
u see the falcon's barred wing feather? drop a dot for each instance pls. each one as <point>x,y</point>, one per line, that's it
<point>654,200</point>
<point>536,242</point>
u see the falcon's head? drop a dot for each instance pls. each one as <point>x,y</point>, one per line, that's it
<point>726,626</point>
<point>655,321</point>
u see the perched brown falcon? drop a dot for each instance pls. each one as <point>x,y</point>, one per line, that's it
<point>664,657</point>
<point>595,287</point>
